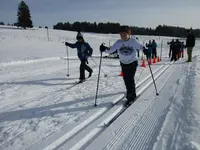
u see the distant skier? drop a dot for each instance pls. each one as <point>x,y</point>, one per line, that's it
<point>149,46</point>
<point>175,50</point>
<point>190,43</point>
<point>154,49</point>
<point>171,46</point>
<point>83,51</point>
<point>127,50</point>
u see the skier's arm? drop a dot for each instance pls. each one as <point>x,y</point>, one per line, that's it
<point>71,45</point>
<point>138,45</point>
<point>112,49</point>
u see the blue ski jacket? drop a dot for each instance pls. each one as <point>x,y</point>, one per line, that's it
<point>83,50</point>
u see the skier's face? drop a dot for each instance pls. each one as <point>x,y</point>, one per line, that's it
<point>80,40</point>
<point>124,36</point>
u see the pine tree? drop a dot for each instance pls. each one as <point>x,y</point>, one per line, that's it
<point>24,16</point>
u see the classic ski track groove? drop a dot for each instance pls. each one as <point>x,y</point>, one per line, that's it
<point>58,94</point>
<point>98,130</point>
<point>147,130</point>
<point>162,131</point>
<point>64,139</point>
<point>150,123</point>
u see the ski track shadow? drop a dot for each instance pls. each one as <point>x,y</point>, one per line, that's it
<point>43,82</point>
<point>54,109</point>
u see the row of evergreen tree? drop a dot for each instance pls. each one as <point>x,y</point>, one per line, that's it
<point>24,20</point>
<point>162,30</point>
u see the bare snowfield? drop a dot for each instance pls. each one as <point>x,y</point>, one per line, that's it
<point>42,108</point>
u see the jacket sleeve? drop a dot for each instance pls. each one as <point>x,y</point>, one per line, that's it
<point>72,45</point>
<point>89,49</point>
<point>138,45</point>
<point>113,48</point>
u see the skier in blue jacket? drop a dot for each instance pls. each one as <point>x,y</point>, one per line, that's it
<point>83,51</point>
<point>149,46</point>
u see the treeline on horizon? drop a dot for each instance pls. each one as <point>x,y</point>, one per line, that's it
<point>160,30</point>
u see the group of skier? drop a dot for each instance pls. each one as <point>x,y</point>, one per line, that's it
<point>152,49</point>
<point>176,50</point>
<point>127,48</point>
<point>177,47</point>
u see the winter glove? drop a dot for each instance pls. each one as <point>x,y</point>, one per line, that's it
<point>102,47</point>
<point>66,43</point>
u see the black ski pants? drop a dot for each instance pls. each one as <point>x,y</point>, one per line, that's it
<point>84,67</point>
<point>128,76</point>
<point>174,55</point>
<point>154,53</point>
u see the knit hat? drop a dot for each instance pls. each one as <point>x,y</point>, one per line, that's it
<point>79,36</point>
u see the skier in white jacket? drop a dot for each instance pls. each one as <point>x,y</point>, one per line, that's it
<point>127,50</point>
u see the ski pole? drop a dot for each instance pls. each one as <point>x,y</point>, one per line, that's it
<point>153,78</point>
<point>67,52</point>
<point>105,75</point>
<point>140,75</point>
<point>95,104</point>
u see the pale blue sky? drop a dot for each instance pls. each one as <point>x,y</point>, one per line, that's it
<point>144,13</point>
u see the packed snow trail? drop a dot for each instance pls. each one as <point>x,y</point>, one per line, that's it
<point>37,95</point>
<point>38,103</point>
<point>170,121</point>
<point>89,124</point>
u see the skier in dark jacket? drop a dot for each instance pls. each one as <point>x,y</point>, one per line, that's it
<point>83,51</point>
<point>190,43</point>
<point>149,46</point>
<point>175,50</point>
<point>154,49</point>
<point>171,46</point>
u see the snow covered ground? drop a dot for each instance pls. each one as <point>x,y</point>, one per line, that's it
<point>41,108</point>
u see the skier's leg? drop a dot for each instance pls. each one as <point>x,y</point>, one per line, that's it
<point>89,70</point>
<point>82,70</point>
<point>190,54</point>
<point>128,76</point>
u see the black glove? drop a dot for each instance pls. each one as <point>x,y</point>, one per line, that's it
<point>102,47</point>
<point>66,43</point>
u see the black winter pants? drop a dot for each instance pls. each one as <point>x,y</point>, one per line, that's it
<point>128,76</point>
<point>174,55</point>
<point>154,53</point>
<point>84,67</point>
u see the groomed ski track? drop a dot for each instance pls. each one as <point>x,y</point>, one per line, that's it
<point>96,122</point>
<point>38,93</point>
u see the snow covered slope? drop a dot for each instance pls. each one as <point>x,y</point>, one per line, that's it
<point>41,108</point>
